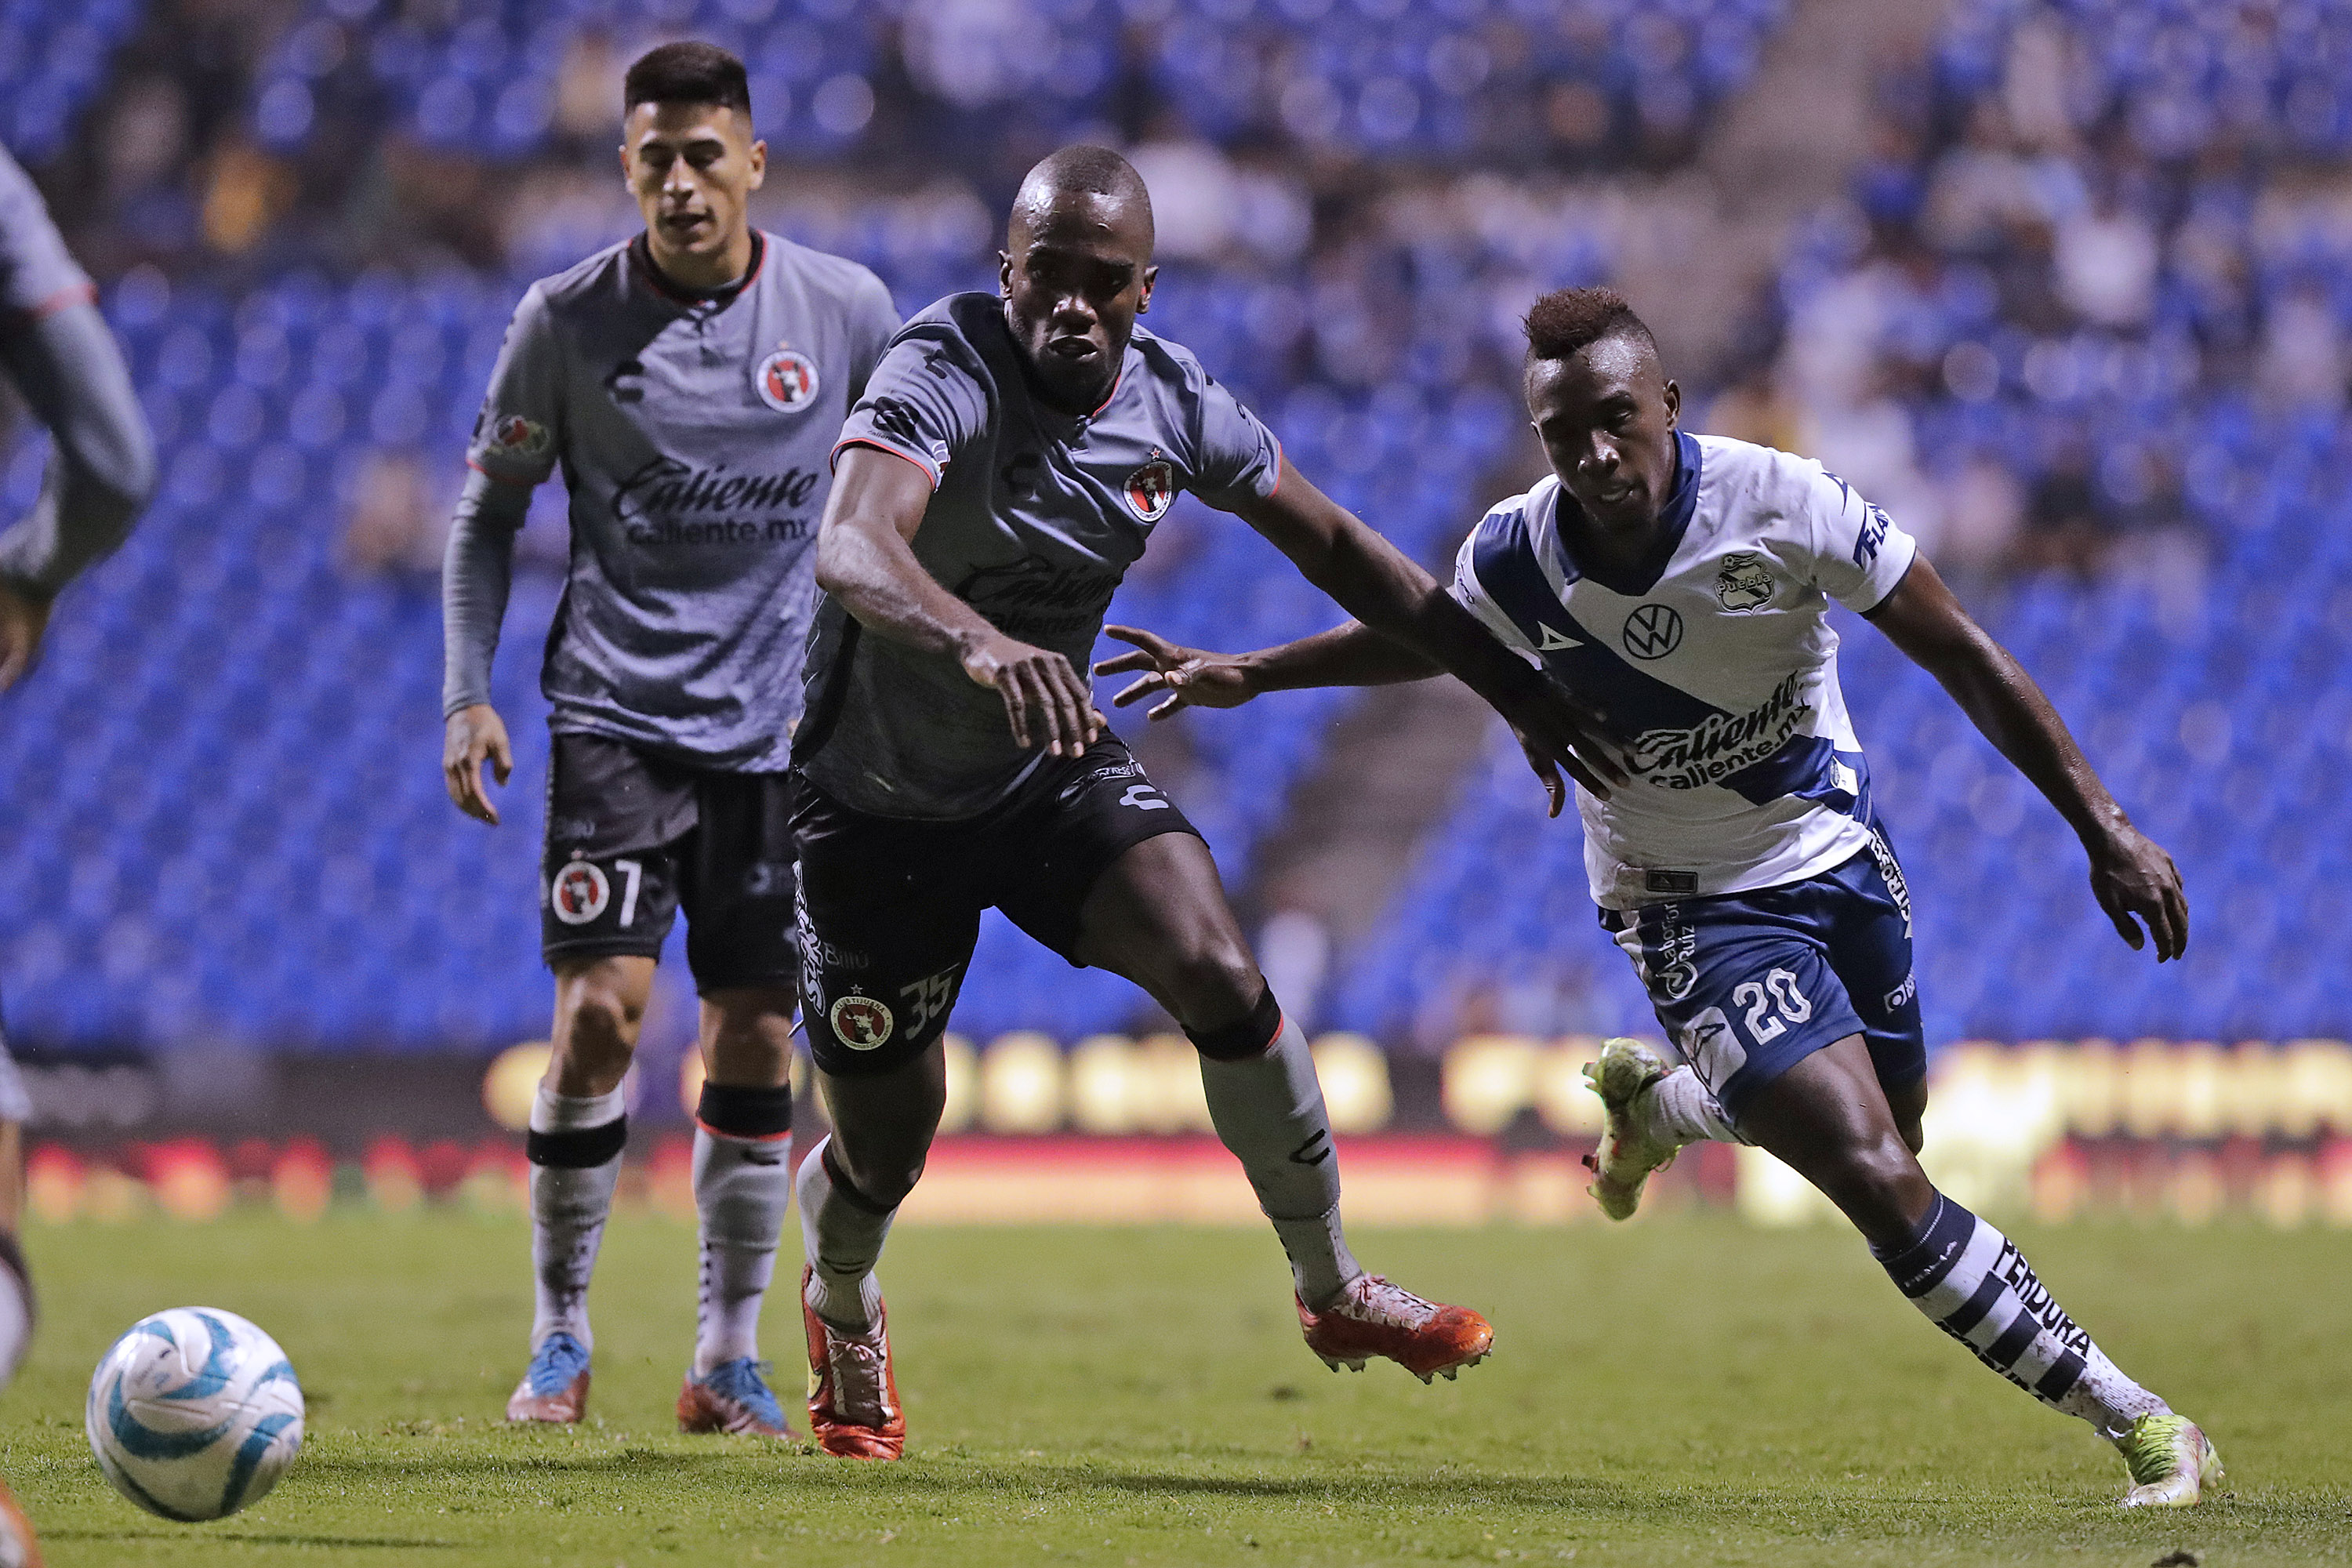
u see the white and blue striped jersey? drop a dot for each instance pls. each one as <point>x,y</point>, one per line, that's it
<point>1716,655</point>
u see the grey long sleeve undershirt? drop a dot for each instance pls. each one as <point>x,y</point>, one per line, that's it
<point>102,472</point>
<point>476,573</point>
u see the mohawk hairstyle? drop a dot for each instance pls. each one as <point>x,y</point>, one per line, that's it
<point>688,72</point>
<point>1568,319</point>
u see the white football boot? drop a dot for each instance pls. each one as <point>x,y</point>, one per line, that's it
<point>2172,1463</point>
<point>1634,1139</point>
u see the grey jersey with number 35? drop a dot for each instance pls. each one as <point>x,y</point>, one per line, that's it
<point>1035,516</point>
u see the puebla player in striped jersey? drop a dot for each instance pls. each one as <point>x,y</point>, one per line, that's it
<point>689,383</point>
<point>1682,583</point>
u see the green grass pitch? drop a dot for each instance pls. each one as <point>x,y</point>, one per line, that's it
<point>1679,1391</point>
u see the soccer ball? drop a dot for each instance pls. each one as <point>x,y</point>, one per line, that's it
<point>193,1413</point>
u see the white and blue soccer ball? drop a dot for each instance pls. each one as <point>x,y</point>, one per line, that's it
<point>193,1413</point>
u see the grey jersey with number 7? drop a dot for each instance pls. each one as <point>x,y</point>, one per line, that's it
<point>694,435</point>
<point>1036,515</point>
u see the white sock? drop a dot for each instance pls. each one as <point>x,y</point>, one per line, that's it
<point>570,1197</point>
<point>1689,1109</point>
<point>742,1188</point>
<point>1972,1282</point>
<point>15,1307</point>
<point>1268,1109</point>
<point>842,1237</point>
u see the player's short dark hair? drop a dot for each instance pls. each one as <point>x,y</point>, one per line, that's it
<point>688,72</point>
<point>1568,319</point>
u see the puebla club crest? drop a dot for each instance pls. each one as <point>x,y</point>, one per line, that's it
<point>1744,582</point>
<point>786,380</point>
<point>580,893</point>
<point>861,1023</point>
<point>1151,488</point>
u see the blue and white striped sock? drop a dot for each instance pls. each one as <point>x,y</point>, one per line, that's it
<point>1975,1284</point>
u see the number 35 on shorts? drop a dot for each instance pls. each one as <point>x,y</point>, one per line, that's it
<point>1766,1008</point>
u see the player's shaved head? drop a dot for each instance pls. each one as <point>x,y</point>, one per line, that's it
<point>1077,271</point>
<point>1079,177</point>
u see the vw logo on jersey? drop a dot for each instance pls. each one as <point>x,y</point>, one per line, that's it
<point>861,1023</point>
<point>1653,631</point>
<point>579,893</point>
<point>1151,488</point>
<point>786,380</point>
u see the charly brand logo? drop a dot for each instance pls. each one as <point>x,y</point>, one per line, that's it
<point>1744,582</point>
<point>786,380</point>
<point>1151,488</point>
<point>861,1023</point>
<point>1653,631</point>
<point>580,893</point>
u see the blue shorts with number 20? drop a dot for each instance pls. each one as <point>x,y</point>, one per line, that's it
<point>1748,984</point>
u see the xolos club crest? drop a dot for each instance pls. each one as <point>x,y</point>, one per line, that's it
<point>579,893</point>
<point>1151,488</point>
<point>512,435</point>
<point>861,1023</point>
<point>786,380</point>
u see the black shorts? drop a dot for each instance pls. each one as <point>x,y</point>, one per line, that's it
<point>631,838</point>
<point>890,907</point>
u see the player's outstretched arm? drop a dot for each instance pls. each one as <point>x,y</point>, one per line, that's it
<point>866,559</point>
<point>67,366</point>
<point>1352,655</point>
<point>2131,876</point>
<point>1377,584</point>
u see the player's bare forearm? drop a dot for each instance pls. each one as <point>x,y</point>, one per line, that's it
<point>1923,619</point>
<point>1392,596</point>
<point>866,559</point>
<point>1352,655</point>
<point>1387,592</point>
<point>2130,875</point>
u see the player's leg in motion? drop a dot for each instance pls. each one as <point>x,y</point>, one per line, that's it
<point>578,1128</point>
<point>1159,916</point>
<point>1829,1119</point>
<point>849,1190</point>
<point>742,1193</point>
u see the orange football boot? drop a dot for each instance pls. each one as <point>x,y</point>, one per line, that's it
<point>1374,1318</point>
<point>18,1549</point>
<point>853,1398</point>
<point>554,1386</point>
<point>732,1396</point>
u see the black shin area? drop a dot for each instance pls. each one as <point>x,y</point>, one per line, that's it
<point>1240,1041</point>
<point>740,1110</point>
<point>578,1148</point>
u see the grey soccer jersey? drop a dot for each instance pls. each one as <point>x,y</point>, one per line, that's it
<point>1035,517</point>
<point>694,434</point>
<point>37,274</point>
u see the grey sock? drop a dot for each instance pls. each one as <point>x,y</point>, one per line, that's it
<point>842,1237</point>
<point>569,1204</point>
<point>1268,1109</point>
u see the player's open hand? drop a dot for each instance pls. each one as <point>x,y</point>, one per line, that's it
<point>1192,678</point>
<point>1562,733</point>
<point>473,735</point>
<point>23,619</point>
<point>1046,700</point>
<point>2134,879</point>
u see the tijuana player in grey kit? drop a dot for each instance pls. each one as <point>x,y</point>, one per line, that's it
<point>690,384</point>
<point>1006,465</point>
<point>56,352</point>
